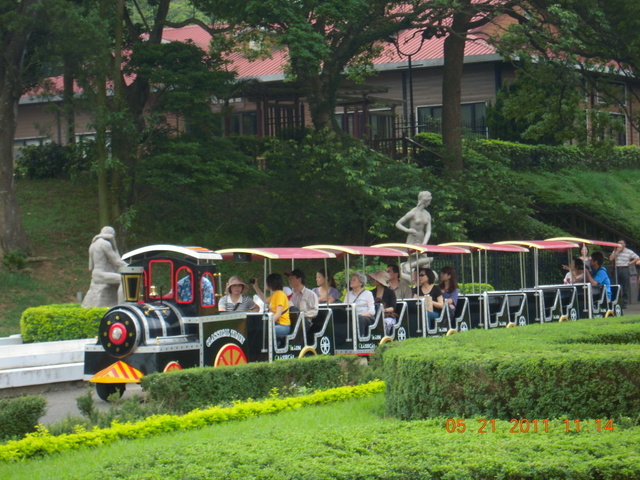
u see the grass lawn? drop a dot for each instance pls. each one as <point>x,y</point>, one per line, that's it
<point>350,440</point>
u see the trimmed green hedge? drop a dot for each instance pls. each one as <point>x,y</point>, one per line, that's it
<point>584,369</point>
<point>19,416</point>
<point>42,443</point>
<point>543,157</point>
<point>50,323</point>
<point>184,390</point>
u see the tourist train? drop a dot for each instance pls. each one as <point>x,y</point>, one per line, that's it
<point>170,320</point>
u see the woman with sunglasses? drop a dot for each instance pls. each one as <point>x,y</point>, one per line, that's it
<point>427,288</point>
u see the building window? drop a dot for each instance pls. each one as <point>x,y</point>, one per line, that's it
<point>474,118</point>
<point>380,123</point>
<point>20,143</point>
<point>243,123</point>
<point>611,93</point>
<point>618,131</point>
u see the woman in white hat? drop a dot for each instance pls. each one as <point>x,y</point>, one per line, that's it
<point>234,299</point>
<point>386,297</point>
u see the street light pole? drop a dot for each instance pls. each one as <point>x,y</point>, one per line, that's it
<point>426,34</point>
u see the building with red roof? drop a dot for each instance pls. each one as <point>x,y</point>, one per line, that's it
<point>405,95</point>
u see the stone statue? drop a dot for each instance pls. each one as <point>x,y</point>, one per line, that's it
<point>418,232</point>
<point>104,263</point>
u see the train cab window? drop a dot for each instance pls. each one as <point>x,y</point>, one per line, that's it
<point>160,279</point>
<point>184,283</point>
<point>207,294</point>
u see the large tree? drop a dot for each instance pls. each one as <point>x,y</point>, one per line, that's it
<point>18,20</point>
<point>585,48</point>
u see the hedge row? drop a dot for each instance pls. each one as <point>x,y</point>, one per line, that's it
<point>19,416</point>
<point>42,443</point>
<point>585,369</point>
<point>50,323</point>
<point>542,157</point>
<point>185,390</point>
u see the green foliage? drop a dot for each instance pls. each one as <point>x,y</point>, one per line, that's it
<point>19,416</point>
<point>475,287</point>
<point>14,260</point>
<point>352,440</point>
<point>42,443</point>
<point>60,322</point>
<point>51,160</point>
<point>187,389</point>
<point>584,369</point>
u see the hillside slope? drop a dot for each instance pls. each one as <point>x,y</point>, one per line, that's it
<point>61,219</point>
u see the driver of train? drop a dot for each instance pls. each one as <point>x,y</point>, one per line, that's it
<point>185,294</point>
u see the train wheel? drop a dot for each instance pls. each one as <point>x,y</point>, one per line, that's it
<point>618,311</point>
<point>105,390</point>
<point>522,321</point>
<point>573,314</point>
<point>172,366</point>
<point>463,327</point>
<point>307,352</point>
<point>385,339</point>
<point>451,331</point>
<point>230,354</point>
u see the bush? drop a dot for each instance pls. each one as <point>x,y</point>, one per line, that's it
<point>588,369</point>
<point>184,390</point>
<point>19,416</point>
<point>50,323</point>
<point>51,160</point>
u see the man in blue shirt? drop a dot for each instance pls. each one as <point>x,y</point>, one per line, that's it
<point>598,274</point>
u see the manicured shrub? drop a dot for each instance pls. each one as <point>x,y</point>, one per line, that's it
<point>60,322</point>
<point>585,369</point>
<point>184,390</point>
<point>20,415</point>
<point>42,443</point>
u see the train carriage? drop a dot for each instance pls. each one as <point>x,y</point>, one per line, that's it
<point>170,319</point>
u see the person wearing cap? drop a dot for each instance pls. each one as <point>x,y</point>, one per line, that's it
<point>623,257</point>
<point>384,296</point>
<point>302,299</point>
<point>235,298</point>
<point>362,300</point>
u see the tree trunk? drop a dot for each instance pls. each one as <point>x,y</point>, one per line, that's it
<point>14,44</point>
<point>452,94</point>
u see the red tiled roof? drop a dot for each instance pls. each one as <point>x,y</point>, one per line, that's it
<point>429,50</point>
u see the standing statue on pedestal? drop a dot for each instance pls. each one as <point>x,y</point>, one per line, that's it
<point>418,232</point>
<point>104,263</point>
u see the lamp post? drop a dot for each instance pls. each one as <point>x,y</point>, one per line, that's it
<point>425,34</point>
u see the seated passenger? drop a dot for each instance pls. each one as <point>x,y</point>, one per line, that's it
<point>235,299</point>
<point>598,274</point>
<point>326,291</point>
<point>303,300</point>
<point>184,289</point>
<point>399,286</point>
<point>575,273</point>
<point>449,287</point>
<point>363,301</point>
<point>385,296</point>
<point>206,291</point>
<point>278,303</point>
<point>426,288</point>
